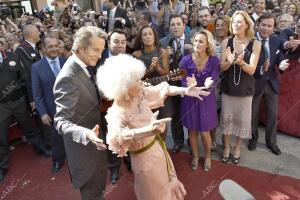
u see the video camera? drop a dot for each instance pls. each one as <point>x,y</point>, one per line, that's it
<point>4,12</point>
<point>140,4</point>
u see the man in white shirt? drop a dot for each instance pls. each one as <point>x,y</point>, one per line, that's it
<point>116,13</point>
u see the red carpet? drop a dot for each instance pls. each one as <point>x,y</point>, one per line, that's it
<point>30,178</point>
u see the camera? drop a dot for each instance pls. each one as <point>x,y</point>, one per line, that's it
<point>140,4</point>
<point>4,12</point>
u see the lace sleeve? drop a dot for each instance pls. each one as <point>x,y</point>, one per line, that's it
<point>156,95</point>
<point>116,122</point>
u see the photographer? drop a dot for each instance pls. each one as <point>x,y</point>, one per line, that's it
<point>153,10</point>
<point>291,41</point>
<point>140,5</point>
<point>116,14</point>
<point>59,7</point>
<point>167,8</point>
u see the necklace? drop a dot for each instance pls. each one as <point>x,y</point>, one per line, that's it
<point>200,64</point>
<point>239,78</point>
<point>240,42</point>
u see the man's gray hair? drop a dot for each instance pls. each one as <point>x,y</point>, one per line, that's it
<point>83,35</point>
<point>290,17</point>
<point>27,30</point>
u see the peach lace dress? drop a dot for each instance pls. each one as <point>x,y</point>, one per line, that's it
<point>154,173</point>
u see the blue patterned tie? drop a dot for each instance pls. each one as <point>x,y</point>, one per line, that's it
<point>266,49</point>
<point>55,68</point>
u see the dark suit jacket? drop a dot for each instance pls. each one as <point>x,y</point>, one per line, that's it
<point>104,56</point>
<point>77,111</point>
<point>28,56</point>
<point>276,56</point>
<point>165,42</point>
<point>285,36</point>
<point>119,13</point>
<point>12,77</point>
<point>159,30</point>
<point>43,79</point>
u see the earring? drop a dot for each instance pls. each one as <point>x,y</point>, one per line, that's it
<point>127,97</point>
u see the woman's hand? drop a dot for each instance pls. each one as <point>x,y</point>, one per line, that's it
<point>208,82</point>
<point>194,91</point>
<point>240,59</point>
<point>191,80</point>
<point>154,64</point>
<point>229,55</point>
<point>157,124</point>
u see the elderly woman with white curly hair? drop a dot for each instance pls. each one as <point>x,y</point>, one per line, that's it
<point>133,127</point>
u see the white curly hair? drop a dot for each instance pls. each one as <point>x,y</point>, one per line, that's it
<point>117,74</point>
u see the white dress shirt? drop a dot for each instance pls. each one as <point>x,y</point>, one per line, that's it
<point>31,44</point>
<point>81,64</point>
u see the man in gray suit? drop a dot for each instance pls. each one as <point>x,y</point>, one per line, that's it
<point>178,45</point>
<point>77,115</point>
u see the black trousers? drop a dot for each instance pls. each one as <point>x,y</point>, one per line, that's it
<point>271,103</point>
<point>58,147</point>
<point>45,131</point>
<point>94,189</point>
<point>176,127</point>
<point>19,110</point>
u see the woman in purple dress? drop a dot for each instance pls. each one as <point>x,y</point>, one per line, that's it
<point>200,116</point>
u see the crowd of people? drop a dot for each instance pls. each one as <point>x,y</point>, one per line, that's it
<point>209,65</point>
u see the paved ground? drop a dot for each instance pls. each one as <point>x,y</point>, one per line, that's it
<point>287,164</point>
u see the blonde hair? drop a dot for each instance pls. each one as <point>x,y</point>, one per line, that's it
<point>211,45</point>
<point>250,30</point>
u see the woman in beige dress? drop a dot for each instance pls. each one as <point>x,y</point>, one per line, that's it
<point>133,127</point>
<point>239,58</point>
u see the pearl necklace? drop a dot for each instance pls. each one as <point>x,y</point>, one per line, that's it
<point>239,78</point>
<point>237,82</point>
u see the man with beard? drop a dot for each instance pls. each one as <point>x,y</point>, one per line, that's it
<point>204,18</point>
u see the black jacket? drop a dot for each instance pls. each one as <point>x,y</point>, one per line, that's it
<point>28,56</point>
<point>12,78</point>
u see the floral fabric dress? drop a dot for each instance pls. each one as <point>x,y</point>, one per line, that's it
<point>152,167</point>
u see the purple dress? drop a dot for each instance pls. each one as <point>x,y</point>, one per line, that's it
<point>200,115</point>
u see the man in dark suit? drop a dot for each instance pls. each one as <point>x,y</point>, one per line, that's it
<point>13,103</point>
<point>29,54</point>
<point>43,75</point>
<point>77,115</point>
<point>267,83</point>
<point>178,45</point>
<point>116,13</point>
